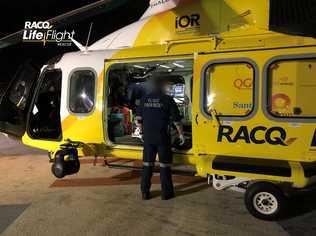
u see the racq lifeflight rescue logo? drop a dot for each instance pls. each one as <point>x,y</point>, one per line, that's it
<point>43,32</point>
<point>155,3</point>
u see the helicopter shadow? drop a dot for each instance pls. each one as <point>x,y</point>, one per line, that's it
<point>301,217</point>
<point>185,188</point>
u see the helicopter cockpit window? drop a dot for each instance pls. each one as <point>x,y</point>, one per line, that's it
<point>82,91</point>
<point>129,82</point>
<point>291,88</point>
<point>20,89</point>
<point>16,100</point>
<point>19,94</point>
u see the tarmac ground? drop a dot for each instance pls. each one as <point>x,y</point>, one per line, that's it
<point>103,201</point>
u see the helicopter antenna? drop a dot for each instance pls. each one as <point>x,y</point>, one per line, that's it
<point>88,39</point>
<point>79,45</point>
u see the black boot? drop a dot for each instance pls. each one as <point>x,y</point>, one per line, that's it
<point>146,196</point>
<point>167,197</point>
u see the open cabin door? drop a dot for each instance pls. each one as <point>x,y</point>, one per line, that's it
<point>233,120</point>
<point>227,95</point>
<point>15,103</point>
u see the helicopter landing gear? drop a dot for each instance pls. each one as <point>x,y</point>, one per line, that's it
<point>265,201</point>
<point>66,162</point>
<point>222,182</point>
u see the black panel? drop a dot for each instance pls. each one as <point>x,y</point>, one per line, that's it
<point>309,169</point>
<point>253,166</point>
<point>293,17</point>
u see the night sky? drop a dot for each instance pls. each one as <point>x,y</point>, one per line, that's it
<point>15,13</point>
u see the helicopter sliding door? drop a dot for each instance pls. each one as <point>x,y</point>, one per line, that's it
<point>256,106</point>
<point>227,92</point>
<point>15,102</point>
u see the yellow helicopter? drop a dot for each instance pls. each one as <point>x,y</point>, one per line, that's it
<point>242,77</point>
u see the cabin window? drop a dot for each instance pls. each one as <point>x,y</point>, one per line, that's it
<point>82,91</point>
<point>291,88</point>
<point>229,89</point>
<point>129,82</point>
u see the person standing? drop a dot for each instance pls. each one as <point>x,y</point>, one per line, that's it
<point>157,111</point>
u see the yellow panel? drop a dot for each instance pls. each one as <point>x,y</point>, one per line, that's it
<point>236,13</point>
<point>193,19</point>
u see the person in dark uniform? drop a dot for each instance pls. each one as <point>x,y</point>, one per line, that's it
<point>154,115</point>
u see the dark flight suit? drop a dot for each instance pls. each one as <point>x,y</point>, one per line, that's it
<point>157,111</point>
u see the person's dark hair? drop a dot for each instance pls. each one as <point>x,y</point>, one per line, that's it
<point>159,80</point>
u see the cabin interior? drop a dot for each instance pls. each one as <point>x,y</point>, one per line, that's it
<point>129,82</point>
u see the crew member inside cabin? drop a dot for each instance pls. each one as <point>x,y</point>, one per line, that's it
<point>156,112</point>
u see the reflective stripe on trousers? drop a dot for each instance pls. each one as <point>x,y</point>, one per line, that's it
<point>148,164</point>
<point>151,164</point>
<point>164,165</point>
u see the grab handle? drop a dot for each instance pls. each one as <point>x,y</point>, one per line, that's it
<point>197,119</point>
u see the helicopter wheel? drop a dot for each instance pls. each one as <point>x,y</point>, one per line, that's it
<point>265,201</point>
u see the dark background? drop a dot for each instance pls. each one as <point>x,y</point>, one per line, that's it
<point>13,15</point>
<point>296,17</point>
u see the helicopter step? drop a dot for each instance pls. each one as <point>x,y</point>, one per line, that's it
<point>223,182</point>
